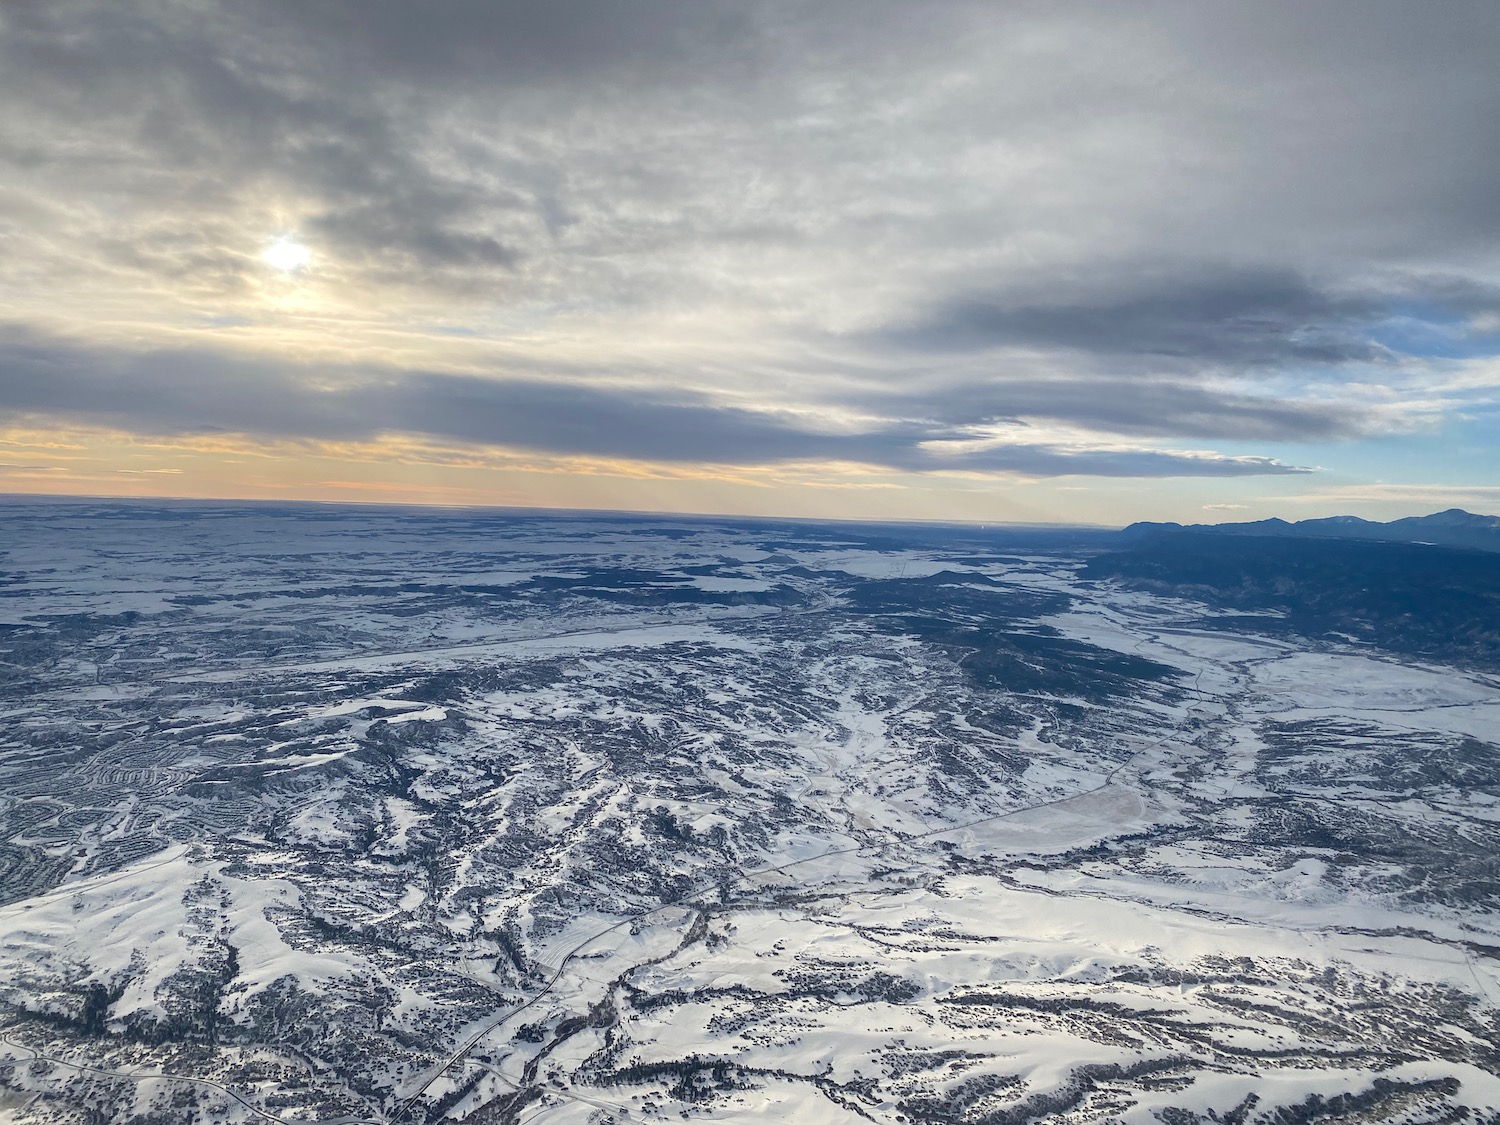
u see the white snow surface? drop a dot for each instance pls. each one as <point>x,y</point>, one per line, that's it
<point>373,816</point>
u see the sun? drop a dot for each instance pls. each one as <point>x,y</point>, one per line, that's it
<point>287,255</point>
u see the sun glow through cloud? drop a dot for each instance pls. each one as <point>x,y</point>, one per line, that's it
<point>287,255</point>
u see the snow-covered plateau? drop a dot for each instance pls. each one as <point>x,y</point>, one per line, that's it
<point>341,815</point>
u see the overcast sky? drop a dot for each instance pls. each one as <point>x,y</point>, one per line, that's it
<point>1050,261</point>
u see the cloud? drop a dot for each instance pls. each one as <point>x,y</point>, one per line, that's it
<point>1140,407</point>
<point>1232,317</point>
<point>754,232</point>
<point>453,142</point>
<point>197,392</point>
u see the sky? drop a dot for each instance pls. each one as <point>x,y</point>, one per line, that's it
<point>1004,262</point>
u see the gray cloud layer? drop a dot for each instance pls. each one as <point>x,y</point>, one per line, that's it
<point>1119,219</point>
<point>1240,318</point>
<point>194,393</point>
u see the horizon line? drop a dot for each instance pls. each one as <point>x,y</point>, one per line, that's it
<point>530,509</point>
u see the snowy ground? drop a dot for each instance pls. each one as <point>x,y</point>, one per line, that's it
<point>340,815</point>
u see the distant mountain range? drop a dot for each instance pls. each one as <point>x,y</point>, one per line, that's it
<point>1453,528</point>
